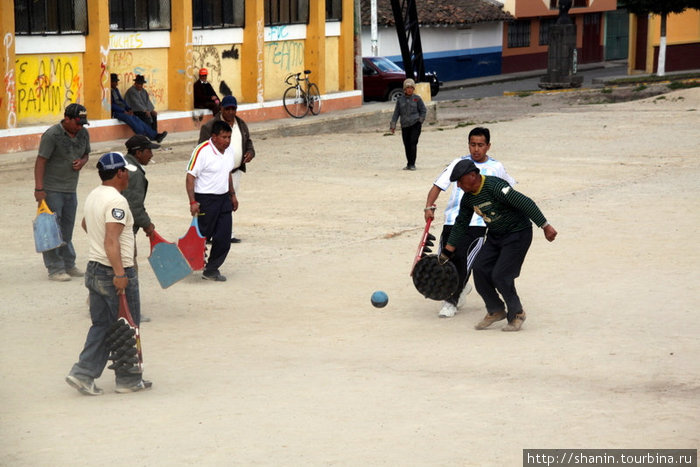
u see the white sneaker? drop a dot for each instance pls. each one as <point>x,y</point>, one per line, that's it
<point>463,296</point>
<point>448,310</point>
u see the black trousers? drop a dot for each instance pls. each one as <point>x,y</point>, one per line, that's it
<point>215,220</point>
<point>464,255</point>
<point>410,137</point>
<point>496,268</point>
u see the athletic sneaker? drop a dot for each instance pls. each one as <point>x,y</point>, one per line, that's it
<point>218,277</point>
<point>59,277</point>
<point>75,272</point>
<point>142,385</point>
<point>463,296</point>
<point>516,324</point>
<point>489,319</point>
<point>83,387</point>
<point>448,310</point>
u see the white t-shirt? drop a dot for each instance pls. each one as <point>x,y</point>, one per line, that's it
<point>211,168</point>
<point>236,145</point>
<point>489,167</point>
<point>105,204</point>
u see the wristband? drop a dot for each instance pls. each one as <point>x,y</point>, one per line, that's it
<point>430,208</point>
<point>193,202</point>
<point>38,189</point>
<point>120,277</point>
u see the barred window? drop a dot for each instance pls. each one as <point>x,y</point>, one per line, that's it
<point>139,15</point>
<point>334,10</point>
<point>213,14</point>
<point>519,34</point>
<point>545,24</point>
<point>278,12</point>
<point>50,17</point>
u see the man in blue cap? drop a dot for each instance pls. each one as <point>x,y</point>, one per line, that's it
<point>110,272</point>
<point>242,145</point>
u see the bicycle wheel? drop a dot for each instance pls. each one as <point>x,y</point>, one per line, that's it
<point>314,98</point>
<point>294,102</point>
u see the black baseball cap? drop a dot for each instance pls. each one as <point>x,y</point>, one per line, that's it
<point>138,142</point>
<point>463,167</point>
<point>77,111</point>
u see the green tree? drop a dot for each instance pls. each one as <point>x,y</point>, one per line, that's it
<point>662,8</point>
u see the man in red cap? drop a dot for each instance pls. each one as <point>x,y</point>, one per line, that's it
<point>204,95</point>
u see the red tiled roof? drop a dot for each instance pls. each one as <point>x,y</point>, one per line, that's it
<point>441,12</point>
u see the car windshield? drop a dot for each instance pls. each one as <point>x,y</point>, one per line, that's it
<point>384,64</point>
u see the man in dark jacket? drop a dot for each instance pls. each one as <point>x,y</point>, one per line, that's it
<point>243,152</point>
<point>204,95</point>
<point>122,112</point>
<point>139,154</point>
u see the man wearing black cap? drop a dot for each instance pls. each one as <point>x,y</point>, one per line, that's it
<point>508,215</point>
<point>139,154</point>
<point>241,144</point>
<point>137,98</point>
<point>122,112</point>
<point>63,151</point>
<point>110,272</point>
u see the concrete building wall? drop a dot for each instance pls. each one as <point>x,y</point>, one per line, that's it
<point>43,74</point>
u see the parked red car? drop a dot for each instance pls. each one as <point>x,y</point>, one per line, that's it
<point>383,79</point>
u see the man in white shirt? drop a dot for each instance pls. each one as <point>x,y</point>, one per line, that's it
<point>110,272</point>
<point>479,145</point>
<point>212,196</point>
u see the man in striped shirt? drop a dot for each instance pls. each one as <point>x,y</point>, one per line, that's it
<point>479,144</point>
<point>508,215</point>
<point>212,196</point>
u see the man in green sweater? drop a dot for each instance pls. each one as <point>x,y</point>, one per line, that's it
<point>508,215</point>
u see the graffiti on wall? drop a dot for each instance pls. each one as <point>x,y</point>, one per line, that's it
<point>260,82</point>
<point>9,80</point>
<point>147,62</point>
<point>285,55</point>
<point>46,84</point>
<point>105,94</point>
<point>125,41</point>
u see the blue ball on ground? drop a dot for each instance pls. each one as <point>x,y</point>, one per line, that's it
<point>379,299</point>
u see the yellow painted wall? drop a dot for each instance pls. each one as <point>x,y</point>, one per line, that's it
<point>331,65</point>
<point>46,84</point>
<point>281,59</point>
<point>680,29</point>
<point>151,63</point>
<point>224,65</point>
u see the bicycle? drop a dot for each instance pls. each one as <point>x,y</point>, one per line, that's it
<point>298,99</point>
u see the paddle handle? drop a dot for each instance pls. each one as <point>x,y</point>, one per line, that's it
<point>43,208</point>
<point>156,239</point>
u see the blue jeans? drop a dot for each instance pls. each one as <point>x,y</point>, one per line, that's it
<point>64,205</point>
<point>137,125</point>
<point>104,308</point>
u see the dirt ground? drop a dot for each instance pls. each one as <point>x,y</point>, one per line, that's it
<point>288,364</point>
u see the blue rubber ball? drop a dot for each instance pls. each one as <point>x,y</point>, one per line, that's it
<point>380,299</point>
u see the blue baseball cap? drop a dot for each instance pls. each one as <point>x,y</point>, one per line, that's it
<point>229,101</point>
<point>113,161</point>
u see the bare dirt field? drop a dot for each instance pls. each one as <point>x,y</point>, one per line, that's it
<point>288,364</point>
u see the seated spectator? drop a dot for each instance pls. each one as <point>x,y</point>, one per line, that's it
<point>204,95</point>
<point>122,112</point>
<point>137,98</point>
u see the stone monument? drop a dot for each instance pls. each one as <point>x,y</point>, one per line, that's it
<point>561,58</point>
